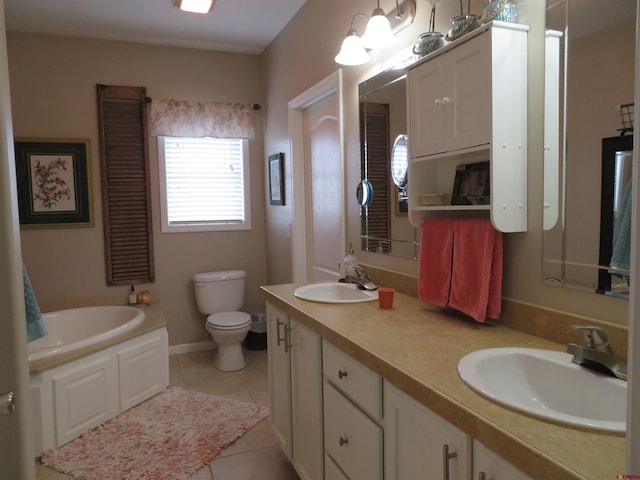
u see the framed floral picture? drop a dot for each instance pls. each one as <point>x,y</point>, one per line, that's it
<point>54,183</point>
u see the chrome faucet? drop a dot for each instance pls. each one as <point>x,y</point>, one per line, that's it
<point>356,274</point>
<point>597,354</point>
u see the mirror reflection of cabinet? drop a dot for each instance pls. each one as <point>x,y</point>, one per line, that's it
<point>385,227</point>
<point>596,50</point>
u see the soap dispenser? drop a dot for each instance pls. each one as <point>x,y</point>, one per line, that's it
<point>348,265</point>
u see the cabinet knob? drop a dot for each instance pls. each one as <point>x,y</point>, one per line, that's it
<point>343,441</point>
<point>437,103</point>
<point>342,374</point>
<point>446,101</point>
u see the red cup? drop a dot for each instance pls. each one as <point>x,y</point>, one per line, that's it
<point>385,297</point>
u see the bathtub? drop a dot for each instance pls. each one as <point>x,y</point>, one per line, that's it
<point>94,363</point>
<point>74,329</point>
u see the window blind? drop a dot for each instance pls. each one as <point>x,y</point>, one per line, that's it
<point>204,181</point>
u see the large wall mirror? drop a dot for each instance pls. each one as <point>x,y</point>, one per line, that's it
<point>382,193</point>
<point>589,94</point>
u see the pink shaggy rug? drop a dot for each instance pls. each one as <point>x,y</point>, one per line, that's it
<point>168,437</point>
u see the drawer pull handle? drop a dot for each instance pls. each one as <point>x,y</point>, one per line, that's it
<point>343,441</point>
<point>287,339</point>
<point>446,456</point>
<point>342,374</point>
<point>278,337</point>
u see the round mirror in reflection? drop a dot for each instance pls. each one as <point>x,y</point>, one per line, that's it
<point>399,161</point>
<point>364,193</point>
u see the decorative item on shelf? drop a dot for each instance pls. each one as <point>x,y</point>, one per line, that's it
<point>431,40</point>
<point>461,25</point>
<point>480,200</point>
<point>501,10</point>
<point>472,180</point>
<point>427,43</point>
<point>433,199</point>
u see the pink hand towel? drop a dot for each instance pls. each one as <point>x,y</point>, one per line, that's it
<point>434,274</point>
<point>476,279</point>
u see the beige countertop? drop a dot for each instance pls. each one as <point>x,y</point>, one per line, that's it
<point>154,318</point>
<point>417,348</point>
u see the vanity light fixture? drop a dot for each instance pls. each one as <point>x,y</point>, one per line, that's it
<point>352,51</point>
<point>378,33</point>
<point>195,6</point>
<point>354,48</point>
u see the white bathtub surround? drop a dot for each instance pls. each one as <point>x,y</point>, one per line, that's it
<point>75,390</point>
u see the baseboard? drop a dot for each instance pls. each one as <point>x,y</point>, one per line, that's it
<point>191,347</point>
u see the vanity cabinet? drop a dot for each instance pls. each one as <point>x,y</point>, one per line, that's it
<point>416,440</point>
<point>489,466</point>
<point>353,435</point>
<point>295,391</point>
<point>467,103</point>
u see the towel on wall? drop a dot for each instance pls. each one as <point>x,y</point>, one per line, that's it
<point>461,266</point>
<point>35,325</point>
<point>476,275</point>
<point>435,260</point>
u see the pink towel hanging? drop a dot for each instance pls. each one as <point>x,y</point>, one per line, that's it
<point>434,275</point>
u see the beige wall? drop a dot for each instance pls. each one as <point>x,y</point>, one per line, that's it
<point>53,81</point>
<point>302,56</point>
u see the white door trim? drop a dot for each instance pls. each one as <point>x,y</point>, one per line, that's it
<point>329,86</point>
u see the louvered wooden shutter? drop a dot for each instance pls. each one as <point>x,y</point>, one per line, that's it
<point>377,223</point>
<point>126,199</point>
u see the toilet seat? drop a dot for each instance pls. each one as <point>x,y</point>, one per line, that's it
<point>229,320</point>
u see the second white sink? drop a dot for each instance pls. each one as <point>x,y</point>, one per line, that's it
<point>547,384</point>
<point>335,292</point>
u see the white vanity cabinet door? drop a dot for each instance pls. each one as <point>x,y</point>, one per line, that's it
<point>332,471</point>
<point>306,401</point>
<point>351,439</point>
<point>469,105</point>
<point>414,439</point>
<point>279,370</point>
<point>427,113</point>
<point>489,466</point>
<point>295,392</point>
<point>450,100</point>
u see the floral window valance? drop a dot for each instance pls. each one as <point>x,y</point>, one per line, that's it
<point>182,118</point>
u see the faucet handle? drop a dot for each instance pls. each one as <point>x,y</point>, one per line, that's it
<point>595,337</point>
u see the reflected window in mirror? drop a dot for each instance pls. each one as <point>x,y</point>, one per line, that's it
<point>594,43</point>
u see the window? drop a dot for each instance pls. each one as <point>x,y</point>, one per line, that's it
<point>204,184</point>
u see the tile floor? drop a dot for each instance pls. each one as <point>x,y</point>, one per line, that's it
<point>256,455</point>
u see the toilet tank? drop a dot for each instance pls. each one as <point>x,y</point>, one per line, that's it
<point>219,291</point>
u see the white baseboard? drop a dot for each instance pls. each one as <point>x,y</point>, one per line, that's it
<point>191,347</point>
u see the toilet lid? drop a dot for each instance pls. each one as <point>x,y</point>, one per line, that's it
<point>229,319</point>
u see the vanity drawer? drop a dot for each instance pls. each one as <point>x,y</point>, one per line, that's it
<point>351,438</point>
<point>356,381</point>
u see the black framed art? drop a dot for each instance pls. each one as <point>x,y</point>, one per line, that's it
<point>54,183</point>
<point>276,179</point>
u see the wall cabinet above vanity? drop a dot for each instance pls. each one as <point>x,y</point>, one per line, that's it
<point>467,103</point>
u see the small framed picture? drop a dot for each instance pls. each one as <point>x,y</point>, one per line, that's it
<point>471,185</point>
<point>276,179</point>
<point>54,183</point>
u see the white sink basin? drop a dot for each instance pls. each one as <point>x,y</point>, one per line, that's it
<point>335,292</point>
<point>547,384</point>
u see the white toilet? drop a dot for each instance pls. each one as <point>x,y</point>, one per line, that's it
<point>220,295</point>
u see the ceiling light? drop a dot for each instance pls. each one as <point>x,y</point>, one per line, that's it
<point>378,33</point>
<point>195,6</point>
<point>352,51</point>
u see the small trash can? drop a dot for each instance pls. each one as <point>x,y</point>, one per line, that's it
<point>257,336</point>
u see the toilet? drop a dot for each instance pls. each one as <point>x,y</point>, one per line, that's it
<point>220,295</point>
